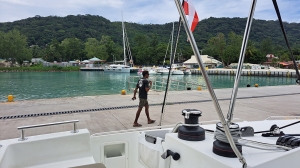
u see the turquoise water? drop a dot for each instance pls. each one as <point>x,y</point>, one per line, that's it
<point>44,85</point>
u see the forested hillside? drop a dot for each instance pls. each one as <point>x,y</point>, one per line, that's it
<point>84,36</point>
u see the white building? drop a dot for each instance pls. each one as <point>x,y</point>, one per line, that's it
<point>208,61</point>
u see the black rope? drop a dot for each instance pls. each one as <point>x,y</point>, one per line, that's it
<point>279,127</point>
<point>286,40</point>
<point>289,124</point>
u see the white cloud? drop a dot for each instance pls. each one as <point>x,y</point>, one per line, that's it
<point>145,11</point>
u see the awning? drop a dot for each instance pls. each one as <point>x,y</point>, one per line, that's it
<point>284,63</point>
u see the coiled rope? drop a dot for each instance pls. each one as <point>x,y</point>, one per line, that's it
<point>234,131</point>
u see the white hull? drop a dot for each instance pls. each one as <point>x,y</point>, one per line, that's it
<point>117,70</point>
<point>187,72</point>
<point>162,71</point>
<point>151,72</point>
<point>130,149</point>
<point>177,72</point>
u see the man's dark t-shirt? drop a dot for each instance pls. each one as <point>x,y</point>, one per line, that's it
<point>142,84</point>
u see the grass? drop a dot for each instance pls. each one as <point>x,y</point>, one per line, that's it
<point>40,67</point>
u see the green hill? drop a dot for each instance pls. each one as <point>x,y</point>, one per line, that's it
<point>41,31</point>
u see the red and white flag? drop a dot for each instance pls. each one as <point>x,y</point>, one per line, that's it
<point>189,10</point>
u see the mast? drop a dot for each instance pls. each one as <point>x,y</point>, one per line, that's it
<point>124,48</point>
<point>171,63</point>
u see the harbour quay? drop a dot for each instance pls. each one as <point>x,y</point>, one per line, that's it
<point>91,69</point>
<point>250,72</point>
<point>102,113</point>
<point>101,69</point>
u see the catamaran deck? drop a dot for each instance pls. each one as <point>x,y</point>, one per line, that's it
<point>97,113</point>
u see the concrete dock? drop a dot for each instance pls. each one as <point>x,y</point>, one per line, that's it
<point>250,72</point>
<point>116,112</point>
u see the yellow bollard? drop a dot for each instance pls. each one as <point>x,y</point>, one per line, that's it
<point>199,88</point>
<point>123,92</point>
<point>256,85</point>
<point>10,98</point>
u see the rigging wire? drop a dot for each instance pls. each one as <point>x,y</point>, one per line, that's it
<point>171,62</point>
<point>286,39</point>
<point>167,48</point>
<point>127,46</point>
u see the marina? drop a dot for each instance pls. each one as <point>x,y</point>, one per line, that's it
<point>79,122</point>
<point>47,85</point>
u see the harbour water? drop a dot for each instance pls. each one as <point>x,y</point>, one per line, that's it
<point>45,85</point>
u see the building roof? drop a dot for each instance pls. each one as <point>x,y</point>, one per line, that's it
<point>271,56</point>
<point>284,63</point>
<point>34,60</point>
<point>205,58</point>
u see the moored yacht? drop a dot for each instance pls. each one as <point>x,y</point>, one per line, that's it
<point>117,68</point>
<point>162,71</point>
<point>177,72</point>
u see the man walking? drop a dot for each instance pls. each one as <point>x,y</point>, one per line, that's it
<point>144,86</point>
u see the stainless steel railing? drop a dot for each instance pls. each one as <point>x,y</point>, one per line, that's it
<point>159,84</point>
<point>44,125</point>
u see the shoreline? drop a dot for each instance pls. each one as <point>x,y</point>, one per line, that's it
<point>127,93</point>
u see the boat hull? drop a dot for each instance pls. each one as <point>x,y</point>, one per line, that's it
<point>117,70</point>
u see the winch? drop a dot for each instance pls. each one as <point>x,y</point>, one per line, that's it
<point>221,145</point>
<point>190,130</point>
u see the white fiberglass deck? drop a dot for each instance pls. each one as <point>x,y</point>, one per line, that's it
<point>122,150</point>
<point>199,154</point>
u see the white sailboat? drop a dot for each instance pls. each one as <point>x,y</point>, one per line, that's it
<point>123,68</point>
<point>174,70</point>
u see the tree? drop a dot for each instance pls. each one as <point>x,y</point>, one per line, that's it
<point>266,46</point>
<point>2,49</point>
<point>55,52</point>
<point>218,45</point>
<point>160,53</point>
<point>141,49</point>
<point>154,57</point>
<point>38,52</point>
<point>14,47</point>
<point>109,45</point>
<point>73,49</point>
<point>93,48</point>
<point>233,48</point>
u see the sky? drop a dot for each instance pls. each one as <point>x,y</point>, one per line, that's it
<point>146,11</point>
